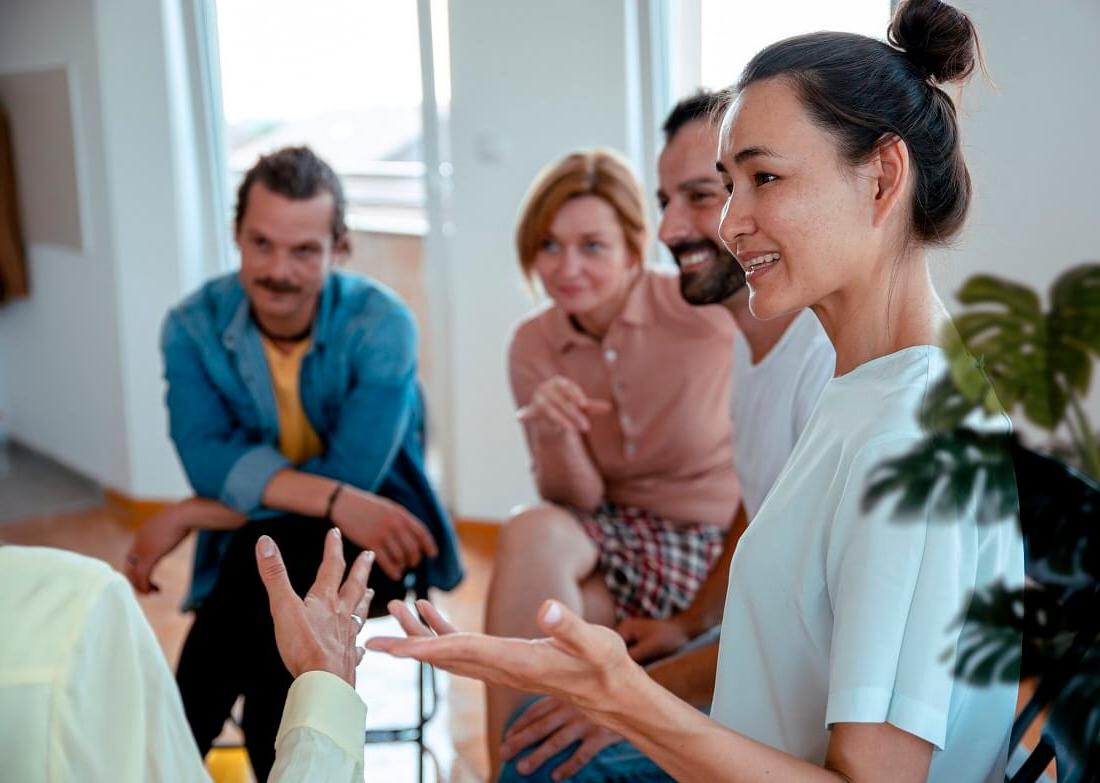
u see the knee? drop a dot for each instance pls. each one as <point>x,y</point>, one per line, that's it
<point>540,529</point>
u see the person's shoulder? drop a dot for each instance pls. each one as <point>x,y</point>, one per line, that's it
<point>535,328</point>
<point>57,585</point>
<point>882,398</point>
<point>359,292</point>
<point>76,569</point>
<point>210,306</point>
<point>361,307</point>
<point>661,287</point>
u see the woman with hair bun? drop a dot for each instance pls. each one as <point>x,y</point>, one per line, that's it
<point>842,625</point>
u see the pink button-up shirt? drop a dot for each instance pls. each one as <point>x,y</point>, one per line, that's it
<point>665,367</point>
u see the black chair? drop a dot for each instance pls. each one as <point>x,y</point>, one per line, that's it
<point>1059,516</point>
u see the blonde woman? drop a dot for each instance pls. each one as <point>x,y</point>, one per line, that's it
<point>622,388</point>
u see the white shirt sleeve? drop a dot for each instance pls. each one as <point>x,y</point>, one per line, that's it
<point>897,586</point>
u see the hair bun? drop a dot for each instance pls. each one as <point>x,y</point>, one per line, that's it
<point>937,38</point>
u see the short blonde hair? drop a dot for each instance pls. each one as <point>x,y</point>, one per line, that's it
<point>598,172</point>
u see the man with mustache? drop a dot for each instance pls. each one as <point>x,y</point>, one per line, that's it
<point>780,367</point>
<point>294,406</point>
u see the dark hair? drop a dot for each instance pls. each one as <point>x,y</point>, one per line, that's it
<point>701,105</point>
<point>296,173</point>
<point>866,92</point>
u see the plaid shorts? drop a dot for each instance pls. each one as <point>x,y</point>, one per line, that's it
<point>653,566</point>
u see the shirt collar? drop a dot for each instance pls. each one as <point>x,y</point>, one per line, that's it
<point>636,312</point>
<point>241,321</point>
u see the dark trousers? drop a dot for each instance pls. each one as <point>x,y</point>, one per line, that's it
<point>230,650</point>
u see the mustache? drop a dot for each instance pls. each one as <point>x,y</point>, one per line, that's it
<point>693,245</point>
<point>278,286</point>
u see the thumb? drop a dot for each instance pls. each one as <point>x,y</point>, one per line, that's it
<point>273,574</point>
<point>566,627</point>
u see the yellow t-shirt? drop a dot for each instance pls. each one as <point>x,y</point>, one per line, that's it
<point>298,441</point>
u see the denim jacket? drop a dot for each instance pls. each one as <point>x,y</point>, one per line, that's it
<point>358,388</point>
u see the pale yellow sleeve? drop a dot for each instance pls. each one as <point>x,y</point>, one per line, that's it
<point>119,717</point>
<point>321,733</point>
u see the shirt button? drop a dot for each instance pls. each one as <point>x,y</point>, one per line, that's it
<point>619,387</point>
<point>629,449</point>
<point>625,421</point>
<point>610,355</point>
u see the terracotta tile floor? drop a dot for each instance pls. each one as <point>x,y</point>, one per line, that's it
<point>456,735</point>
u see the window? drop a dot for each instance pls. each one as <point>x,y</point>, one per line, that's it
<point>342,76</point>
<point>731,33</point>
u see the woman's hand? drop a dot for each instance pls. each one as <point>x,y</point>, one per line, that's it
<point>586,665</point>
<point>318,633</point>
<point>563,405</point>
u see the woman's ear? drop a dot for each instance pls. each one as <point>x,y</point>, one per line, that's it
<point>891,171</point>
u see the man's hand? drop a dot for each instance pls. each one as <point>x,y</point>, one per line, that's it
<point>648,639</point>
<point>318,633</point>
<point>556,726</point>
<point>157,537</point>
<point>398,538</point>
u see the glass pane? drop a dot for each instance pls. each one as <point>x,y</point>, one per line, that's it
<point>342,76</point>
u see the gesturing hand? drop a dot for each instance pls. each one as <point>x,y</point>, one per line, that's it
<point>372,522</point>
<point>562,404</point>
<point>584,664</point>
<point>555,725</point>
<point>318,633</point>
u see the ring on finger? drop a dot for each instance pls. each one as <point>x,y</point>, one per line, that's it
<point>358,620</point>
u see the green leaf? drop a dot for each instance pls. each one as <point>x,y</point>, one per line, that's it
<point>987,289</point>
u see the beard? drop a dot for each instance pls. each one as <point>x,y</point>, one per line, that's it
<point>715,281</point>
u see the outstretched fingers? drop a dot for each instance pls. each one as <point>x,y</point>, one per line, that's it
<point>327,583</point>
<point>353,593</point>
<point>435,620</point>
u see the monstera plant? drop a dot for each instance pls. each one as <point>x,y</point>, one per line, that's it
<point>1039,362</point>
<point>1007,354</point>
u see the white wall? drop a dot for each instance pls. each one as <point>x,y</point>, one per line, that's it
<point>156,217</point>
<point>530,82</point>
<point>60,347</point>
<point>80,355</point>
<point>1031,144</point>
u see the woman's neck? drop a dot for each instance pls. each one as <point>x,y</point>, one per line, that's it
<point>895,308</point>
<point>597,321</point>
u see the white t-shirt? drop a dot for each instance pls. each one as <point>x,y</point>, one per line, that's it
<point>837,614</point>
<point>771,402</point>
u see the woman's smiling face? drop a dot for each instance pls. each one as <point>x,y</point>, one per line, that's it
<point>799,218</point>
<point>584,263</point>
